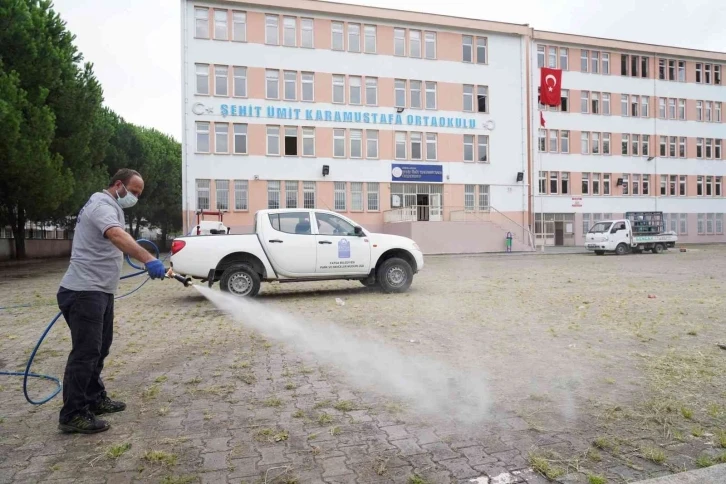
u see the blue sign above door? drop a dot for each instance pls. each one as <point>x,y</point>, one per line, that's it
<point>417,173</point>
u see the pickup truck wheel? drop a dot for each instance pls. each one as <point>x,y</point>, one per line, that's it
<point>658,249</point>
<point>621,249</point>
<point>240,280</point>
<point>395,275</point>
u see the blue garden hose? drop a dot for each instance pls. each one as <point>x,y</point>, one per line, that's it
<point>59,386</point>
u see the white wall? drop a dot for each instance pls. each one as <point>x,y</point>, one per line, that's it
<point>622,204</point>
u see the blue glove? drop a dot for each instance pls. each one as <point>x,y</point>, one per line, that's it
<point>156,269</point>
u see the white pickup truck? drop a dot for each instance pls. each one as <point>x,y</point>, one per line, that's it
<point>294,245</point>
<point>617,236</point>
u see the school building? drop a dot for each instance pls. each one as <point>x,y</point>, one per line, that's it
<point>428,126</point>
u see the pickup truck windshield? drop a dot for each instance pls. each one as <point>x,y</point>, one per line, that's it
<point>600,228</point>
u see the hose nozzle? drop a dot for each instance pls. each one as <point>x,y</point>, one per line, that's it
<point>187,281</point>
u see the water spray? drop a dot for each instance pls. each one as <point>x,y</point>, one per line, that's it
<point>59,386</point>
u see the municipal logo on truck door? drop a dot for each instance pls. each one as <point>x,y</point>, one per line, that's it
<point>343,249</point>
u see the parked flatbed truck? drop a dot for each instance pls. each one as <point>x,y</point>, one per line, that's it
<point>637,232</point>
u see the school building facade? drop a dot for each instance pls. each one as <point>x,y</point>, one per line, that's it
<point>428,126</point>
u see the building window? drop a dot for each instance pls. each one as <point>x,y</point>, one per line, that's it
<point>584,55</point>
<point>565,183</point>
<point>467,45</point>
<point>430,95</point>
<point>416,146</point>
<point>645,145</point>
<point>595,103</point>
<point>222,194</point>
<point>634,106</point>
<point>415,94</point>
<point>719,223</point>
<point>373,196</point>
<point>717,149</point>
<point>564,58</point>
<point>663,185</point>
<point>606,184</point>
<point>430,49</point>
<point>636,145</point>
<point>482,98</point>
<point>339,143</point>
<point>606,103</point>
<point>399,42</point>
<point>468,147</point>
<point>371,91</point>
<point>221,138</point>
<point>682,185</point>
<point>469,197</point>
<point>220,24</point>
<point>290,89</point>
<point>564,141</point>
<point>308,86</point>
<point>400,145</point>
<point>221,80</point>
<point>202,79</point>
<point>717,117</point>
<point>353,37</point>
<point>201,16</point>
<point>289,32</point>
<point>291,141</point>
<point>240,139</point>
<point>553,135</point>
<point>356,196</point>
<point>701,222</point>
<point>272,34</point>
<point>356,143</point>
<point>338,89</point>
<point>400,93</point>
<point>273,195</point>
<point>202,137</point>
<point>625,145</point>
<point>273,140</point>
<point>595,62</point>
<point>431,149</point>
<point>468,97</point>
<point>414,43</point>
<point>241,195</point>
<point>240,81</point>
<point>552,57</point>
<point>483,148</point>
<point>585,143</point>
<point>337,32</point>
<point>542,140</point>
<point>605,63</point>
<point>626,184</point>
<point>340,199</point>
<point>273,84</point>
<point>483,198</point>
<point>543,182</point>
<point>355,95</point>
<point>699,110</point>
<point>624,104</point>
<point>709,110</point>
<point>481,50</point>
<point>699,186</point>
<point>646,184</point>
<point>308,146</point>
<point>709,186</point>
<point>370,39</point>
<point>307,34</point>
<point>681,109</point>
<point>371,144</point>
<point>596,183</point>
<point>699,147</point>
<point>606,143</point>
<point>585,183</point>
<point>662,107</point>
<point>309,194</point>
<point>203,194</point>
<point>595,143</point>
<point>709,148</point>
<point>585,102</point>
<point>291,194</point>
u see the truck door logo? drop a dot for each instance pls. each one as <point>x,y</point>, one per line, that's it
<point>343,249</point>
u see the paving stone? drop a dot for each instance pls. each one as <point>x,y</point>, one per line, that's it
<point>477,456</point>
<point>217,477</point>
<point>215,461</point>
<point>408,447</point>
<point>440,451</point>
<point>460,468</point>
<point>216,445</point>
<point>244,467</point>
<point>334,467</point>
<point>272,456</point>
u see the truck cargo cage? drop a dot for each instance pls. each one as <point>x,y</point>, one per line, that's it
<point>646,223</point>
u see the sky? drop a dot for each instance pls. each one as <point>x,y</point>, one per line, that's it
<point>135,45</point>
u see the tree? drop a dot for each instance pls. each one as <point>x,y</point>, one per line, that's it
<point>56,107</point>
<point>33,180</point>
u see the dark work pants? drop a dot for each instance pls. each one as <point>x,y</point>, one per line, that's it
<point>89,315</point>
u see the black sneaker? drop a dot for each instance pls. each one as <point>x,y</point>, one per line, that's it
<point>106,405</point>
<point>84,423</point>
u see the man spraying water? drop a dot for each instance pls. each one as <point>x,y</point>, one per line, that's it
<point>86,299</point>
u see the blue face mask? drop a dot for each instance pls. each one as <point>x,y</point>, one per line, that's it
<point>128,200</point>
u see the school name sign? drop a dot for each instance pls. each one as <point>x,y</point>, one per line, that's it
<point>339,116</point>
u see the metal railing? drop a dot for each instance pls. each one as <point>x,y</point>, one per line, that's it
<point>494,216</point>
<point>414,213</point>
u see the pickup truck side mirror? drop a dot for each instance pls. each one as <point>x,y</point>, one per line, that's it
<point>358,231</point>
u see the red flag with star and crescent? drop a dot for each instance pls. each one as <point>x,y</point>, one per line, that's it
<point>550,88</point>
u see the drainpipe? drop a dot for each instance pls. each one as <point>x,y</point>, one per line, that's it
<point>185,157</point>
<point>524,130</point>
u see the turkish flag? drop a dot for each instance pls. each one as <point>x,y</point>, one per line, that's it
<point>550,86</point>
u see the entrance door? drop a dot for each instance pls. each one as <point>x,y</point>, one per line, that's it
<point>340,250</point>
<point>422,201</point>
<point>435,214</point>
<point>559,233</point>
<point>549,232</point>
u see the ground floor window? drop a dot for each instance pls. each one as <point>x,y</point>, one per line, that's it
<point>203,194</point>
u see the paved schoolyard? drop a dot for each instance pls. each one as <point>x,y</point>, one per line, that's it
<point>596,367</point>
